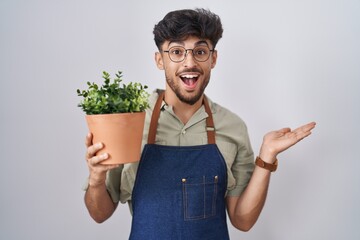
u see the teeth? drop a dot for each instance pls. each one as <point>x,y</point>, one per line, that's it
<point>189,76</point>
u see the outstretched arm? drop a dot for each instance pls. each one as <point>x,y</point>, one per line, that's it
<point>245,209</point>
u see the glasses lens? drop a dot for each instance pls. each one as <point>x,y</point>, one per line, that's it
<point>177,54</point>
<point>201,53</point>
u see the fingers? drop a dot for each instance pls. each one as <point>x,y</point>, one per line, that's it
<point>98,159</point>
<point>94,160</point>
<point>309,126</point>
<point>88,140</point>
<point>304,130</point>
<point>284,130</point>
<point>93,149</point>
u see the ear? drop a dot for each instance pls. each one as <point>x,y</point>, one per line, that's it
<point>159,61</point>
<point>213,58</point>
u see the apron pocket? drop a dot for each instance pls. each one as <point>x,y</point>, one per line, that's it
<point>199,197</point>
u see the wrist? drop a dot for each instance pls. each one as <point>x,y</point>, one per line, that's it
<point>95,183</point>
<point>265,165</point>
<point>267,155</point>
<point>268,158</point>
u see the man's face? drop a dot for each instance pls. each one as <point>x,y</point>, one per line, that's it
<point>188,78</point>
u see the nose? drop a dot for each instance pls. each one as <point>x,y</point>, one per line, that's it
<point>189,60</point>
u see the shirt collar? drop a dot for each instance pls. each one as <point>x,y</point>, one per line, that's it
<point>199,115</point>
<point>153,97</point>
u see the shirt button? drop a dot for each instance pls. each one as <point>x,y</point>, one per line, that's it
<point>183,132</point>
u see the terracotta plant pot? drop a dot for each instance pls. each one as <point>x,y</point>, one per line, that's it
<point>121,134</point>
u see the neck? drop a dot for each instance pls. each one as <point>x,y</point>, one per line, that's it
<point>182,110</point>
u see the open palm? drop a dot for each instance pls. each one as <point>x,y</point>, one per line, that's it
<point>280,140</point>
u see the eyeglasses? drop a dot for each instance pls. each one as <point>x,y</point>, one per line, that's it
<point>178,53</point>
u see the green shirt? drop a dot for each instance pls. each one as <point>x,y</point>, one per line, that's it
<point>231,138</point>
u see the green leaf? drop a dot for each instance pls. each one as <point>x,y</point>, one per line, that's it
<point>113,97</point>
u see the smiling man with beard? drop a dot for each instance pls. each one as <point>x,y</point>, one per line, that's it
<point>197,161</point>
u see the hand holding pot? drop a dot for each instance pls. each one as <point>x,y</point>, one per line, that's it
<point>97,170</point>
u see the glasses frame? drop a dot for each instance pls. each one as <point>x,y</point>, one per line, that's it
<point>186,53</point>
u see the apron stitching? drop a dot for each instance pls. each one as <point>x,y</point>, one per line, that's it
<point>204,200</point>
<point>214,196</point>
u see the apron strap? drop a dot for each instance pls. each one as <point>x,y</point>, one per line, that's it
<point>210,128</point>
<point>155,118</point>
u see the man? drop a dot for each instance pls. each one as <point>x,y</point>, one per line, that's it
<point>197,161</point>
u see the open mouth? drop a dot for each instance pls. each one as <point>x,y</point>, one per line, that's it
<point>190,80</point>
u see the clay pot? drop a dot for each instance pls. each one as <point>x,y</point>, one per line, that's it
<point>121,134</point>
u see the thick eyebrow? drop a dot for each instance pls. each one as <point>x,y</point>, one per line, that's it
<point>181,43</point>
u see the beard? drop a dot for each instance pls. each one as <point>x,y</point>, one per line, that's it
<point>188,98</point>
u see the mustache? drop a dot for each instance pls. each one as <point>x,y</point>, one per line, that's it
<point>193,70</point>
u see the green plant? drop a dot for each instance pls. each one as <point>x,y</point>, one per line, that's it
<point>112,97</point>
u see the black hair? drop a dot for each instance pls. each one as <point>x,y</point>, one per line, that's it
<point>180,24</point>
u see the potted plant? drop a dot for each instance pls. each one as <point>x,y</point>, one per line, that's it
<point>115,114</point>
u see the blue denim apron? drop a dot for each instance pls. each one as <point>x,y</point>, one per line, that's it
<point>179,192</point>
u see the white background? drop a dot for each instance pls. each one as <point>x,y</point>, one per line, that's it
<point>280,63</point>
